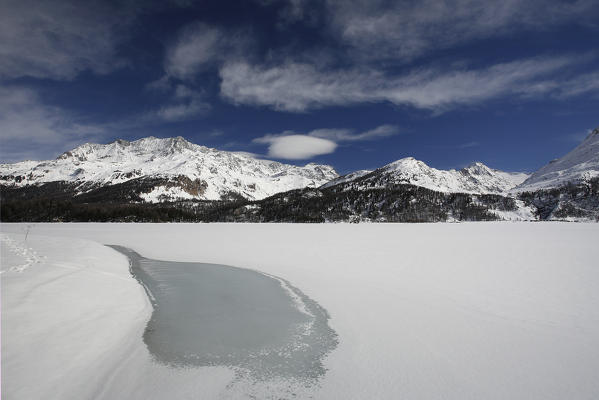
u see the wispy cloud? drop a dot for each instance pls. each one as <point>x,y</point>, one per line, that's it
<point>59,39</point>
<point>402,31</point>
<point>185,103</point>
<point>31,129</point>
<point>183,111</point>
<point>580,85</point>
<point>348,135</point>
<point>362,32</point>
<point>201,46</point>
<point>467,145</point>
<point>301,87</point>
<point>197,47</point>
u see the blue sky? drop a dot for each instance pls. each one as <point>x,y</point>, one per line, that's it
<point>354,84</point>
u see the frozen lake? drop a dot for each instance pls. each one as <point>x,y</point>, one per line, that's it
<point>218,315</point>
<point>422,311</point>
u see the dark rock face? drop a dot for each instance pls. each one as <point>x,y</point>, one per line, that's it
<point>194,187</point>
<point>12,178</point>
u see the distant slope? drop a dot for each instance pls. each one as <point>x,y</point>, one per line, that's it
<point>347,178</point>
<point>394,203</point>
<point>475,178</point>
<point>578,166</point>
<point>167,169</point>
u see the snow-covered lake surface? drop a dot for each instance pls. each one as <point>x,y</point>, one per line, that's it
<point>435,311</point>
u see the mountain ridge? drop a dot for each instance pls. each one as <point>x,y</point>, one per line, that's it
<point>171,179</point>
<point>215,174</point>
<point>579,165</point>
<point>476,178</point>
<point>219,172</point>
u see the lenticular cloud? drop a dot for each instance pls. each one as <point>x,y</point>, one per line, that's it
<point>299,147</point>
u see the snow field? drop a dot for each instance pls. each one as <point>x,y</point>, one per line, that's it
<point>72,327</point>
<point>435,311</point>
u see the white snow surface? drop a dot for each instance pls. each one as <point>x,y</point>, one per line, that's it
<point>72,326</point>
<point>475,178</point>
<point>579,165</point>
<point>162,193</point>
<point>122,160</point>
<point>522,212</point>
<point>423,311</point>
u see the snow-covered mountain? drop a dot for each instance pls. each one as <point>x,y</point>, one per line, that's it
<point>179,170</point>
<point>347,178</point>
<point>112,181</point>
<point>475,178</point>
<point>579,165</point>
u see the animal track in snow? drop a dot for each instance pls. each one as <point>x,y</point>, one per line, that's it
<point>19,248</point>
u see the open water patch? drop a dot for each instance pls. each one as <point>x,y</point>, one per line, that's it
<point>216,315</point>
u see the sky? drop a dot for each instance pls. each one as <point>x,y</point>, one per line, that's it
<point>354,84</point>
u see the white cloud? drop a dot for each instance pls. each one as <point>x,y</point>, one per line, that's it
<point>296,147</point>
<point>300,87</point>
<point>58,39</point>
<point>292,145</point>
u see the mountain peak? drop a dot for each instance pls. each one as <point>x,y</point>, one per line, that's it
<point>476,164</point>
<point>477,168</point>
<point>406,162</point>
<point>121,142</point>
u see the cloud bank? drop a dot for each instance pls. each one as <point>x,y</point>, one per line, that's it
<point>304,55</point>
<point>301,87</point>
<point>404,30</point>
